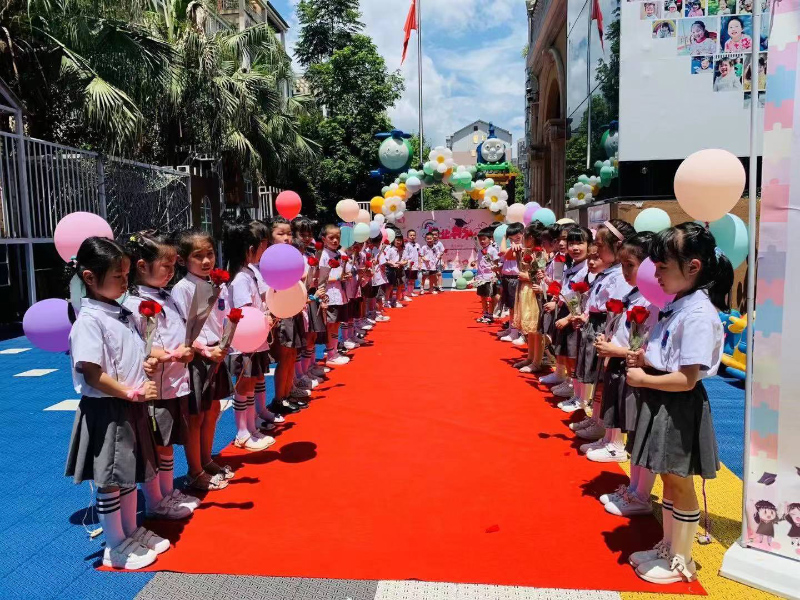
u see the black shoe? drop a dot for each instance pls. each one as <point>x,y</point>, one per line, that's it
<point>299,403</point>
<point>283,407</point>
<point>505,325</point>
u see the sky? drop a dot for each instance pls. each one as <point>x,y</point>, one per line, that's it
<point>472,65</point>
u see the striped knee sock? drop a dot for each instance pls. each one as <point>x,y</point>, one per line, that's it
<point>260,398</point>
<point>251,415</point>
<point>166,465</point>
<point>684,530</point>
<point>152,493</point>
<point>128,499</point>
<point>110,516</point>
<point>666,519</point>
<point>240,417</point>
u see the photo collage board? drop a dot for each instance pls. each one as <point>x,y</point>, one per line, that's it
<point>715,38</point>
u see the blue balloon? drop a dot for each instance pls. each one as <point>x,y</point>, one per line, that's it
<point>374,230</point>
<point>499,234</point>
<point>730,232</point>
<point>545,216</point>
<point>347,236</point>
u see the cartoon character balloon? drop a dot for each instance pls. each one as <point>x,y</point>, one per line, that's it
<point>493,150</point>
<point>395,152</point>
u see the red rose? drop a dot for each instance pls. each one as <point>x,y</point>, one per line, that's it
<point>579,287</point>
<point>560,258</point>
<point>484,252</point>
<point>312,261</point>
<point>333,263</point>
<point>345,258</point>
<point>368,264</point>
<point>527,258</point>
<point>538,249</point>
<point>149,308</point>
<point>509,255</point>
<point>219,276</point>
<point>235,315</point>
<point>318,245</point>
<point>554,289</point>
<point>638,315</point>
<point>615,306</point>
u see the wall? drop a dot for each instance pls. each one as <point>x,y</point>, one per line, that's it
<point>465,145</point>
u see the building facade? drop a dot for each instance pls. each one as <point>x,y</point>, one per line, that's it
<point>464,142</point>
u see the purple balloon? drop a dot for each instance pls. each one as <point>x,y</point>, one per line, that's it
<point>46,324</point>
<point>281,266</point>
<point>530,208</point>
<point>648,285</point>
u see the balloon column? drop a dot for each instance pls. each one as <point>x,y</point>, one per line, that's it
<point>588,187</point>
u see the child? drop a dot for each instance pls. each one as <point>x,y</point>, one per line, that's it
<point>527,304</point>
<point>674,431</point>
<point>551,242</point>
<point>738,40</point>
<point>428,259</point>
<point>209,379</point>
<point>695,9</point>
<point>152,268</point>
<point>566,337</point>
<point>701,43</point>
<point>650,11</point>
<point>411,258</point>
<point>379,279</point>
<point>394,269</point>
<point>440,252</point>
<point>352,285</point>
<point>112,441</point>
<point>792,516</point>
<point>488,283</point>
<point>509,277</point>
<point>335,299</point>
<point>309,373</point>
<point>244,247</point>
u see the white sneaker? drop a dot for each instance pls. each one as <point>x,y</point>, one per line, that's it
<point>552,379</point>
<point>299,393</point>
<point>565,390</point>
<point>646,556</point>
<point>581,424</point>
<point>365,327</point>
<point>510,336</point>
<point>130,555</point>
<point>185,500</point>
<point>667,570</point>
<point>591,446</point>
<point>169,509</point>
<point>312,382</point>
<point>434,292</point>
<point>571,405</point>
<point>371,321</point>
<point>337,361</point>
<point>607,454</point>
<point>594,432</point>
<point>520,341</point>
<point>502,333</point>
<point>382,318</point>
<point>350,345</point>
<point>398,305</point>
<point>618,493</point>
<point>629,505</point>
<point>150,540</point>
<point>255,443</point>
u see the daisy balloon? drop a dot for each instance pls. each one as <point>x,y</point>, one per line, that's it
<point>442,159</point>
<point>496,200</point>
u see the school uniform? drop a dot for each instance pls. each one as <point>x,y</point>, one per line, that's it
<point>244,291</point>
<point>337,298</point>
<point>208,381</point>
<point>352,287</point>
<point>112,440</point>
<point>550,275</point>
<point>316,317</point>
<point>606,285</point>
<point>427,257</point>
<point>439,250</point>
<point>171,410</point>
<point>674,430</point>
<point>367,289</point>
<point>392,255</point>
<point>411,256</point>
<point>485,268</point>
<point>509,280</point>
<point>566,339</point>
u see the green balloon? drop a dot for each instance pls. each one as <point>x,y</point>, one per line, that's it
<point>598,164</point>
<point>583,178</point>
<point>606,173</point>
<point>384,189</point>
<point>438,176</point>
<point>461,283</point>
<point>403,177</point>
<point>468,275</point>
<point>428,168</point>
<point>428,179</point>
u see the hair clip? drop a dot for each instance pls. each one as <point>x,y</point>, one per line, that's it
<point>718,251</point>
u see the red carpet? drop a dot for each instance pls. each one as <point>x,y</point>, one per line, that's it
<point>426,458</point>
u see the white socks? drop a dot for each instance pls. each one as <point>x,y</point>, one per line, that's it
<point>614,437</point>
<point>684,529</point>
<point>260,399</point>
<point>110,516</point>
<point>251,415</point>
<point>166,465</point>
<point>666,519</point>
<point>128,498</point>
<point>152,493</point>
<point>240,417</point>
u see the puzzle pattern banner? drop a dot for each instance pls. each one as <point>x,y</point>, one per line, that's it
<point>772,483</point>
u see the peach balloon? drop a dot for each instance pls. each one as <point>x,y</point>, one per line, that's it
<point>363,216</point>
<point>285,304</point>
<point>347,210</point>
<point>709,183</point>
<point>516,213</point>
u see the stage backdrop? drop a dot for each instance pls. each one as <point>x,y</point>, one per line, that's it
<point>685,76</point>
<point>457,231</point>
<point>772,483</point>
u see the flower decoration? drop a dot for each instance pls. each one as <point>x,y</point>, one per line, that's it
<point>333,263</point>
<point>219,276</point>
<point>579,287</point>
<point>554,289</point>
<point>149,308</point>
<point>495,199</point>
<point>638,315</point>
<point>235,315</point>
<point>318,245</point>
<point>312,261</point>
<point>579,194</point>
<point>442,159</point>
<point>560,258</point>
<point>636,319</point>
<point>615,306</point>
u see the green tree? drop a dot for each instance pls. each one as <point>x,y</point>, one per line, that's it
<point>326,26</point>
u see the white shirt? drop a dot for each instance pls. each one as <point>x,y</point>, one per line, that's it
<point>244,290</point>
<point>427,257</point>
<point>378,262</point>
<point>439,249</point>
<point>621,336</point>
<point>608,284</point>
<point>99,337</point>
<point>486,262</point>
<point>577,272</point>
<point>183,294</point>
<point>263,288</point>
<point>411,254</point>
<point>333,289</point>
<point>510,265</point>
<point>172,378</point>
<point>690,333</point>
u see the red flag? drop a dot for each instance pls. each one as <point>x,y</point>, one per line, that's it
<point>411,24</point>
<point>598,15</point>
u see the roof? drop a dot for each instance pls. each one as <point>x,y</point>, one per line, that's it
<point>479,122</point>
<point>274,14</point>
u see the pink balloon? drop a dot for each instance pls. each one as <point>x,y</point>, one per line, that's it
<point>530,208</point>
<point>252,330</point>
<point>76,228</point>
<point>385,235</point>
<point>285,304</point>
<point>288,204</point>
<point>709,183</point>
<point>649,287</point>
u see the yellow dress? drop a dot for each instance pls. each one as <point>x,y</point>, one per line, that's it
<point>526,309</point>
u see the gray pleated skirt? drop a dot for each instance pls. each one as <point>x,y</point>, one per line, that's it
<point>256,365</point>
<point>565,340</point>
<point>675,433</point>
<point>112,443</point>
<point>210,382</point>
<point>316,320</point>
<point>621,402</point>
<point>588,362</point>
<point>171,420</point>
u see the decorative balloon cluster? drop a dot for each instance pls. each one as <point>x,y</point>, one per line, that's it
<point>362,228</point>
<point>589,186</point>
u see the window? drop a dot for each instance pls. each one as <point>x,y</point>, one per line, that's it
<point>205,215</point>
<point>474,128</point>
<point>473,152</point>
<point>475,138</point>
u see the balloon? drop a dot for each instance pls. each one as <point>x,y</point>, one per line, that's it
<point>46,324</point>
<point>288,204</point>
<point>252,330</point>
<point>346,239</point>
<point>281,266</point>
<point>606,173</point>
<point>583,178</point>
<point>545,216</point>
<point>374,229</point>
<point>709,183</point>
<point>391,235</point>
<point>468,275</point>
<point>530,209</point>
<point>731,235</point>
<point>380,220</point>
<point>414,184</point>
<point>347,210</point>
<point>648,285</point>
<point>461,283</point>
<point>516,213</point>
<point>77,227</point>
<point>652,219</point>
<point>385,235</point>
<point>287,303</point>
<point>499,234</point>
<point>363,216</point>
<point>361,232</point>
<point>598,164</point>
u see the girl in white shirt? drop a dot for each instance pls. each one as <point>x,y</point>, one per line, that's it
<point>395,266</point>
<point>153,260</point>
<point>335,299</point>
<point>674,432</point>
<point>309,373</point>
<point>209,378</point>
<point>112,441</point>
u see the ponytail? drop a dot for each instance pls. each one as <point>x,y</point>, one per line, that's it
<point>719,287</point>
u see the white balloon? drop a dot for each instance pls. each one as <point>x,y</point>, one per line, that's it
<point>379,219</point>
<point>516,212</point>
<point>391,235</point>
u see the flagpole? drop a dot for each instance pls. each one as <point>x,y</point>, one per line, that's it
<point>589,89</point>
<point>419,77</point>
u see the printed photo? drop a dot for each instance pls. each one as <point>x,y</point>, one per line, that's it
<point>702,64</point>
<point>728,73</point>
<point>650,11</point>
<point>765,20</point>
<point>695,8</point>
<point>673,9</point>
<point>736,33</point>
<point>721,7</point>
<point>747,81</point>
<point>745,7</point>
<point>664,29</point>
<point>698,37</point>
<point>762,99</point>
